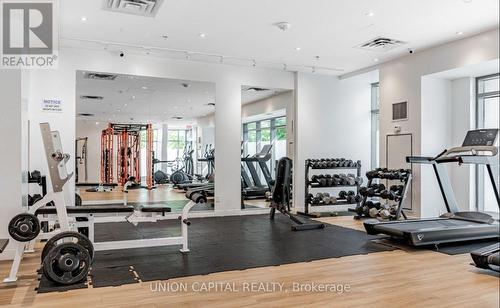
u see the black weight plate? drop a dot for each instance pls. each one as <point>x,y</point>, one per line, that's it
<point>67,263</point>
<point>24,227</point>
<point>68,236</point>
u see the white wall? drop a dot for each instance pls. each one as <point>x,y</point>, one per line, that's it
<point>436,136</point>
<point>60,84</point>
<point>12,181</point>
<point>91,130</point>
<point>400,80</point>
<point>333,120</point>
<point>462,115</point>
<point>270,104</point>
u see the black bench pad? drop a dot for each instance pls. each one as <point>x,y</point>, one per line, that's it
<point>155,209</point>
<point>3,244</point>
<point>95,209</point>
<point>87,209</point>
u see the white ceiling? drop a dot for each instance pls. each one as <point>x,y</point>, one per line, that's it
<point>326,28</point>
<point>249,95</point>
<point>144,99</point>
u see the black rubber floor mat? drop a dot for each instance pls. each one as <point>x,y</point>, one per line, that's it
<point>222,244</point>
<point>112,276</point>
<point>46,286</point>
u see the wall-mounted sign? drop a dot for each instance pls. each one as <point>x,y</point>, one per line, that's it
<point>52,105</point>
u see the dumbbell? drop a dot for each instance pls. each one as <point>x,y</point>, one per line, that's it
<point>344,179</point>
<point>388,194</point>
<point>366,211</point>
<point>385,214</point>
<point>351,179</point>
<point>36,175</point>
<point>363,191</point>
<point>353,198</point>
<point>359,211</point>
<point>373,212</point>
<point>342,194</point>
<point>328,180</point>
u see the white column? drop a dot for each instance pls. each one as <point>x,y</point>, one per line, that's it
<point>227,146</point>
<point>11,126</point>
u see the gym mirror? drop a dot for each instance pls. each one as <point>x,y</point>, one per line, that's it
<point>267,136</point>
<point>149,133</point>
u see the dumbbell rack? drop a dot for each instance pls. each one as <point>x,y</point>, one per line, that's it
<point>41,181</point>
<point>308,186</point>
<point>399,212</point>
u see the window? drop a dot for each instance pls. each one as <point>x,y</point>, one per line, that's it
<point>156,148</point>
<point>178,139</point>
<point>259,133</point>
<point>487,113</point>
<point>375,132</point>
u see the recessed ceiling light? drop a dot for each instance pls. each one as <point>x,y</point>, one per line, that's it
<point>84,18</point>
<point>202,35</point>
<point>298,48</point>
<point>96,123</point>
<point>133,96</point>
<point>459,33</point>
<point>375,60</point>
<point>370,14</point>
<point>144,87</point>
<point>125,105</point>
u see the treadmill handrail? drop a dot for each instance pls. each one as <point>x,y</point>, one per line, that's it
<point>424,159</point>
<point>473,149</point>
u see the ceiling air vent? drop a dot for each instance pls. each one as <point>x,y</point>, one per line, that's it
<point>381,44</point>
<point>100,76</point>
<point>86,114</point>
<point>92,97</point>
<point>147,8</point>
<point>256,89</point>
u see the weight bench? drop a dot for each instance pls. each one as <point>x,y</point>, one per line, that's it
<point>107,213</point>
<point>93,214</point>
<point>3,244</point>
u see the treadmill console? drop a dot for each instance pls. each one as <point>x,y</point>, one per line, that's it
<point>480,137</point>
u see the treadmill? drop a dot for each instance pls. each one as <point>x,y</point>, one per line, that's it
<point>487,257</point>
<point>454,226</point>
<point>254,188</point>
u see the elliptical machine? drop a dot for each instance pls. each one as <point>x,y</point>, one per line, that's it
<point>185,173</point>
